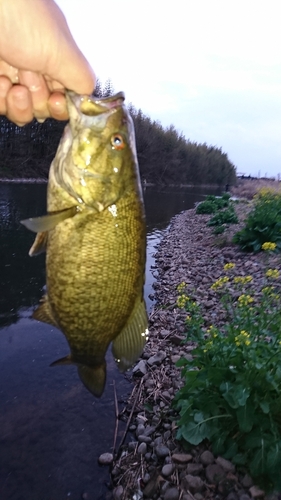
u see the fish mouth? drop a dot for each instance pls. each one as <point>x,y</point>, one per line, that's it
<point>94,106</point>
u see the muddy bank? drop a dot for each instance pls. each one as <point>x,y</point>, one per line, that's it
<point>153,464</point>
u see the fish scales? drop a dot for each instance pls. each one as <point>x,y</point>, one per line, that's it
<point>94,234</point>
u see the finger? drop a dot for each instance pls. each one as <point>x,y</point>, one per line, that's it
<point>19,105</point>
<point>9,71</point>
<point>57,106</point>
<point>5,85</point>
<point>39,92</point>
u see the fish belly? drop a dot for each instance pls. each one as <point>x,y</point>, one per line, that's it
<point>95,273</point>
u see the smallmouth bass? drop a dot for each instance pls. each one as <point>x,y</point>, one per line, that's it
<point>95,240</point>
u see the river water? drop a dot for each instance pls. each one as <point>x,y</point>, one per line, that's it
<point>52,430</point>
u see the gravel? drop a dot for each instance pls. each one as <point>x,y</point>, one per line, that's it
<point>158,467</point>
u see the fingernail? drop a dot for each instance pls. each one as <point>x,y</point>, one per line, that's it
<point>21,101</point>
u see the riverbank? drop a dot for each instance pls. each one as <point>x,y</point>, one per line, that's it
<point>153,464</point>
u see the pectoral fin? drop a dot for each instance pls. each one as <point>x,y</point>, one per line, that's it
<point>39,245</point>
<point>44,313</point>
<point>48,222</point>
<point>128,346</point>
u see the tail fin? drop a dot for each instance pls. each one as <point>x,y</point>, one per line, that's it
<point>93,378</point>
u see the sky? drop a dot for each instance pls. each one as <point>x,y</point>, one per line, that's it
<point>212,68</point>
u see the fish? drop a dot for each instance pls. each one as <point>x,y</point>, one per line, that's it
<point>94,235</point>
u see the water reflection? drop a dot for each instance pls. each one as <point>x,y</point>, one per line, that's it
<point>52,429</point>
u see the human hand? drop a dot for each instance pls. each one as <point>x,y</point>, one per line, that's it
<point>39,59</point>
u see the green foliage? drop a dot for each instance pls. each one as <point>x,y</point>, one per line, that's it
<point>232,386</point>
<point>167,157</point>
<point>213,203</point>
<point>224,217</point>
<point>222,207</point>
<point>262,224</point>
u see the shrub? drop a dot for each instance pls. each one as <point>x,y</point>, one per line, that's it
<point>262,224</point>
<point>232,386</point>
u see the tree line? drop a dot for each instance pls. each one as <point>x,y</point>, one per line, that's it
<point>165,156</point>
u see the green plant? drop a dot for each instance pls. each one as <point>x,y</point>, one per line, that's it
<point>262,224</point>
<point>232,386</point>
<point>224,217</point>
<point>213,203</point>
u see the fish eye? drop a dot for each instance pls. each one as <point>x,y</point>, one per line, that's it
<point>117,141</point>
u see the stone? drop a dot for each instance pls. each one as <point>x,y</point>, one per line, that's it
<point>168,469</point>
<point>140,369</point>
<point>172,494</point>
<point>207,458</point>
<point>140,430</point>
<point>194,469</point>
<point>142,449</point>
<point>118,492</point>
<point>106,459</point>
<point>150,429</point>
<point>225,464</point>
<point>161,451</point>
<point>247,481</point>
<point>232,496</point>
<point>193,483</point>
<point>214,473</point>
<point>256,492</point>
<point>142,438</point>
<point>181,458</point>
<point>157,358</point>
<point>175,358</point>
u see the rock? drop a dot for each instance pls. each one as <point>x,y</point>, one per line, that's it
<point>106,459</point>
<point>118,492</point>
<point>142,449</point>
<point>247,481</point>
<point>194,469</point>
<point>214,473</point>
<point>181,458</point>
<point>168,469</point>
<point>207,458</point>
<point>225,464</point>
<point>256,492</point>
<point>172,494</point>
<point>175,358</point>
<point>144,439</point>
<point>232,496</point>
<point>157,358</point>
<point>164,333</point>
<point>140,430</point>
<point>140,369</point>
<point>161,451</point>
<point>193,483</point>
<point>150,429</point>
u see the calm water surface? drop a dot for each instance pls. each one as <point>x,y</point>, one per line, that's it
<point>52,430</point>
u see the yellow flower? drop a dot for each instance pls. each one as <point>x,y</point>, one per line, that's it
<point>272,273</point>
<point>243,279</point>
<point>182,300</point>
<point>181,286</point>
<point>229,265</point>
<point>268,246</point>
<point>220,282</point>
<point>245,300</point>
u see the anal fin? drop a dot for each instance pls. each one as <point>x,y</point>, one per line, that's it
<point>44,313</point>
<point>128,346</point>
